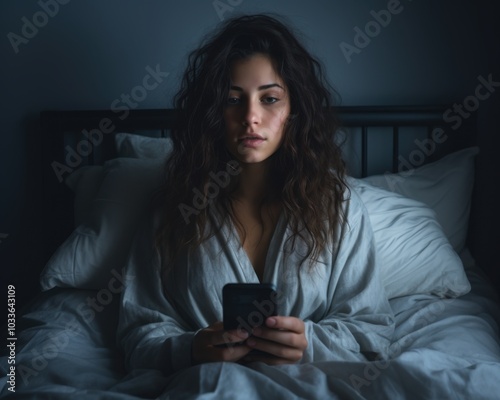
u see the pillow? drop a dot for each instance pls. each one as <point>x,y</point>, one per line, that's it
<point>109,200</point>
<point>85,181</point>
<point>444,185</point>
<point>136,146</point>
<point>414,254</point>
<point>94,254</point>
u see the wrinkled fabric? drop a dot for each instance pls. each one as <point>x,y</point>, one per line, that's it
<point>441,349</point>
<point>341,300</point>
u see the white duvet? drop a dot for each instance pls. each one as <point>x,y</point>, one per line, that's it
<point>441,348</point>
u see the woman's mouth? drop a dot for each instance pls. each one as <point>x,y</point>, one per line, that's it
<point>251,141</point>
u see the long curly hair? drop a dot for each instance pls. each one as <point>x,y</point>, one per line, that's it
<point>308,169</point>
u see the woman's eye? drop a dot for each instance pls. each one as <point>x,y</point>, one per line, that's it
<point>233,100</point>
<point>270,100</point>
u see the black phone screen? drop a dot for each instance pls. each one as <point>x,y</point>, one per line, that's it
<point>247,305</point>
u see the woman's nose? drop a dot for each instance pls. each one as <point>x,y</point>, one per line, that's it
<point>251,113</point>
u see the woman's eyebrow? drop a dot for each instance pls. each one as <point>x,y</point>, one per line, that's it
<point>263,87</point>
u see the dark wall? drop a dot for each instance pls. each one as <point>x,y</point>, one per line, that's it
<point>88,53</point>
<point>486,227</point>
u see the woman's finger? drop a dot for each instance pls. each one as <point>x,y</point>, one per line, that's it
<point>286,323</point>
<point>215,344</point>
<point>276,349</point>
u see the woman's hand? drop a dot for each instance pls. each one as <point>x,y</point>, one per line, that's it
<point>283,338</point>
<point>215,344</point>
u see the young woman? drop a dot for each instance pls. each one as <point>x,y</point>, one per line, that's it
<point>254,192</point>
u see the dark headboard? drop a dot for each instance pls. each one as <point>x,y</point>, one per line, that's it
<point>72,139</point>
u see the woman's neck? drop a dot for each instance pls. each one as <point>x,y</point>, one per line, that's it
<point>254,183</point>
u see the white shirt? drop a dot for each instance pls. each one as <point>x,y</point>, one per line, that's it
<point>341,300</point>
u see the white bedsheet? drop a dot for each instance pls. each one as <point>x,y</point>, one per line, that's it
<point>443,349</point>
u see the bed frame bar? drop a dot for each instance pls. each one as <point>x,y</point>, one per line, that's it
<point>63,130</point>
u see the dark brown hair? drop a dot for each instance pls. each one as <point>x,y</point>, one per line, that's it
<point>308,170</point>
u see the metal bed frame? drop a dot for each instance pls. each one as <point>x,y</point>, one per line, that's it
<point>64,130</point>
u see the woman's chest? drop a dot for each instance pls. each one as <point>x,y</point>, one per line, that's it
<point>255,230</point>
<point>201,274</point>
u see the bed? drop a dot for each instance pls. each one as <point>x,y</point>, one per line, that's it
<point>415,176</point>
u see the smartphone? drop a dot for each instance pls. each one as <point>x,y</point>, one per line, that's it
<point>247,305</point>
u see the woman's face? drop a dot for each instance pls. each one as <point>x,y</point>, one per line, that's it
<point>256,110</point>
